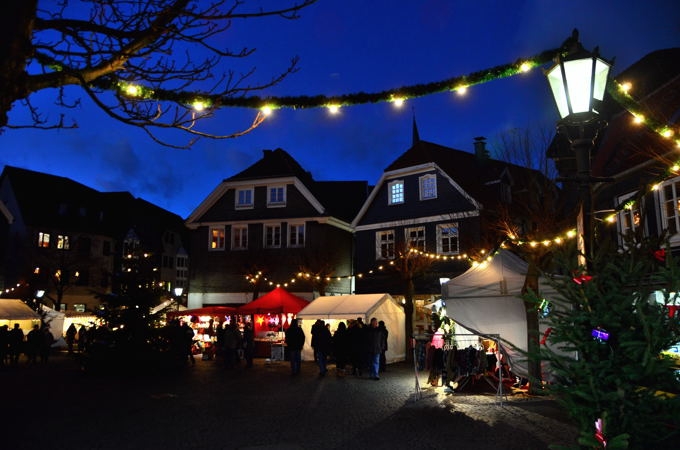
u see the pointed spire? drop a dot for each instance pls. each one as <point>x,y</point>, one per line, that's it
<point>416,136</point>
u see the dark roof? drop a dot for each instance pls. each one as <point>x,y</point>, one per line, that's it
<point>274,163</point>
<point>54,201</point>
<point>471,172</point>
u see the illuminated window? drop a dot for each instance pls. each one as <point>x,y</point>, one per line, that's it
<point>669,199</point>
<point>447,239</point>
<point>415,238</point>
<point>44,240</point>
<point>276,196</point>
<point>63,242</point>
<point>272,236</point>
<point>239,237</point>
<point>296,235</point>
<point>395,191</point>
<point>217,238</point>
<point>384,244</point>
<point>244,198</point>
<point>629,219</point>
<point>428,187</point>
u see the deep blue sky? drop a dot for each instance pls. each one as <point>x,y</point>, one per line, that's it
<point>346,47</point>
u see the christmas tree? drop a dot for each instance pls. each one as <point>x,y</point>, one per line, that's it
<point>607,348</point>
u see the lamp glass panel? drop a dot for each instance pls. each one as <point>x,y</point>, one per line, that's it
<point>557,86</point>
<point>579,73</point>
<point>601,74</point>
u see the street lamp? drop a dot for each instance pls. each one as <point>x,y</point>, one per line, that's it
<point>578,80</point>
<point>178,296</point>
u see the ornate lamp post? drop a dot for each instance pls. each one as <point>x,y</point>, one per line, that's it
<point>578,80</point>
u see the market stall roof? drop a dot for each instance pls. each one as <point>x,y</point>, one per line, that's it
<point>16,309</point>
<point>275,302</point>
<point>205,311</point>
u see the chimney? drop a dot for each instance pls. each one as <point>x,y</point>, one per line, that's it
<point>480,148</point>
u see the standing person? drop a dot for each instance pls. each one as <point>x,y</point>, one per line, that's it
<point>356,347</point>
<point>46,345</point>
<point>323,340</point>
<point>188,342</point>
<point>315,334</point>
<point>34,340</point>
<point>232,339</point>
<point>82,338</point>
<point>4,344</point>
<point>16,342</point>
<point>248,344</point>
<point>385,334</point>
<point>341,348</point>
<point>374,347</point>
<point>295,339</point>
<point>71,332</point>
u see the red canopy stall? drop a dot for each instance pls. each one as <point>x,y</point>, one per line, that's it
<point>272,314</point>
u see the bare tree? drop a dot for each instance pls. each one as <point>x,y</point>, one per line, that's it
<point>138,60</point>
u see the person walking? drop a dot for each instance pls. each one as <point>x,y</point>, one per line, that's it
<point>82,338</point>
<point>385,334</point>
<point>375,348</point>
<point>71,333</point>
<point>34,340</point>
<point>295,339</point>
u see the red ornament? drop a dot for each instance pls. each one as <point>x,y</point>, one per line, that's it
<point>660,255</point>
<point>582,278</point>
<point>599,435</point>
<point>545,335</point>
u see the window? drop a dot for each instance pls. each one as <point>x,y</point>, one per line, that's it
<point>79,307</point>
<point>428,187</point>
<point>272,236</point>
<point>629,218</point>
<point>217,238</point>
<point>239,237</point>
<point>244,198</point>
<point>395,192</point>
<point>63,242</point>
<point>447,239</point>
<point>384,244</point>
<point>669,198</point>
<point>296,235</point>
<point>276,196</point>
<point>415,238</point>
<point>43,240</point>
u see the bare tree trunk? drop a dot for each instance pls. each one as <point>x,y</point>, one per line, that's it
<point>408,323</point>
<point>534,360</point>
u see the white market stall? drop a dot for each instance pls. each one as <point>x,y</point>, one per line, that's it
<point>485,301</point>
<point>14,310</point>
<point>337,308</point>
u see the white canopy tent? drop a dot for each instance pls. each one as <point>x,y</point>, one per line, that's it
<point>485,300</point>
<point>334,309</point>
<point>13,310</point>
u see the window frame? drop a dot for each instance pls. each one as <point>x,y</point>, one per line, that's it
<point>389,245</point>
<point>43,239</point>
<point>423,182</point>
<point>275,236</point>
<point>419,239</point>
<point>237,198</point>
<point>278,202</point>
<point>238,231</point>
<point>440,238</point>
<point>294,230</point>
<point>63,242</point>
<point>216,243</point>
<point>396,196</point>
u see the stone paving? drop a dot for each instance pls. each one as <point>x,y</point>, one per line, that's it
<point>205,406</point>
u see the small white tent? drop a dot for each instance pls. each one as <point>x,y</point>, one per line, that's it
<point>485,300</point>
<point>14,310</point>
<point>333,309</point>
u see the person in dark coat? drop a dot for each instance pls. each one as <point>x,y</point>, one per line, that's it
<point>385,334</point>
<point>323,345</point>
<point>16,343</point>
<point>356,347</point>
<point>34,340</point>
<point>295,339</point>
<point>341,348</point>
<point>375,348</point>
<point>71,333</point>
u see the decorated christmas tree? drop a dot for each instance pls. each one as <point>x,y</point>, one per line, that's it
<point>607,349</point>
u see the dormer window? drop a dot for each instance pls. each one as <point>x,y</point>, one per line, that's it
<point>395,192</point>
<point>276,196</point>
<point>244,198</point>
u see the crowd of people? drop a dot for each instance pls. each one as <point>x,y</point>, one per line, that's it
<point>354,346</point>
<point>36,344</point>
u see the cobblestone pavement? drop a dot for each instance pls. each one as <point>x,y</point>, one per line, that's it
<point>57,406</point>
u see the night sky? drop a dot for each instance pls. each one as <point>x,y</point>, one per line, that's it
<point>347,47</point>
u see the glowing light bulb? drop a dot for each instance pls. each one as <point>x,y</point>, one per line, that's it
<point>199,105</point>
<point>524,67</point>
<point>398,102</point>
<point>133,90</point>
<point>462,90</point>
<point>638,119</point>
<point>266,110</point>
<point>334,109</point>
<point>626,86</point>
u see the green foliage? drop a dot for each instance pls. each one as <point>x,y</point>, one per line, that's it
<point>625,380</point>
